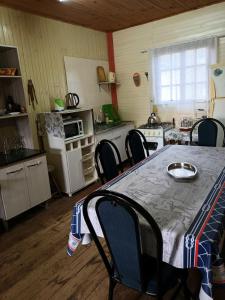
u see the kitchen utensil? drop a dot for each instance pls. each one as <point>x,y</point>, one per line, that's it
<point>153,120</point>
<point>31,94</point>
<point>72,100</point>
<point>101,74</point>
<point>182,170</point>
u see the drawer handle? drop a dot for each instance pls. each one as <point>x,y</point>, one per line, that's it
<point>35,165</point>
<point>16,171</point>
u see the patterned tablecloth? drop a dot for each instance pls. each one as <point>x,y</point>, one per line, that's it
<point>191,214</point>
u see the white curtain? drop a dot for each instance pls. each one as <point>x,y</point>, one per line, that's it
<point>181,74</point>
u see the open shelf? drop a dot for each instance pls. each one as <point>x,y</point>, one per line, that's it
<point>107,82</point>
<point>87,141</point>
<point>89,170</point>
<point>10,77</point>
<point>87,156</point>
<point>4,117</point>
<point>90,179</point>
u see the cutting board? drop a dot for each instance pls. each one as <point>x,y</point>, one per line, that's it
<point>101,74</point>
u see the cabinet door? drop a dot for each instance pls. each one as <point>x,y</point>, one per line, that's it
<point>14,191</point>
<point>118,141</point>
<point>106,135</point>
<point>117,136</point>
<point>37,180</point>
<point>76,177</point>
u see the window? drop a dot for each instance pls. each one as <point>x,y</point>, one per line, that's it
<point>180,73</point>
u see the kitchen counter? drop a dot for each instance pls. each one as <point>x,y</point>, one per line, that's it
<point>17,156</point>
<point>100,128</point>
<point>181,137</point>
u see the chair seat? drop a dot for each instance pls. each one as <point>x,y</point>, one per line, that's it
<point>169,276</point>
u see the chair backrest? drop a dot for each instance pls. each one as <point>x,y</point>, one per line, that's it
<point>136,146</point>
<point>105,154</point>
<point>117,215</point>
<point>207,132</point>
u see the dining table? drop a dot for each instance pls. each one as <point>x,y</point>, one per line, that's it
<point>190,213</point>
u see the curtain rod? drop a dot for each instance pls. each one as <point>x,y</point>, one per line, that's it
<point>185,42</point>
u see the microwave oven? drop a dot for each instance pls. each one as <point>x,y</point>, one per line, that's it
<point>73,129</point>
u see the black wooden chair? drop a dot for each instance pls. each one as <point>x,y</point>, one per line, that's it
<point>126,263</point>
<point>136,146</point>
<point>207,132</point>
<point>105,157</point>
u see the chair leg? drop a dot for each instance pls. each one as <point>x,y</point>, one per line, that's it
<point>183,276</point>
<point>188,295</point>
<point>176,293</point>
<point>112,284</point>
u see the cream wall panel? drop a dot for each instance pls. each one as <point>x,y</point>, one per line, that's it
<point>135,102</point>
<point>42,44</point>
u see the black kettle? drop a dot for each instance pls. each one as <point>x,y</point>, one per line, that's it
<point>72,100</point>
<point>153,120</point>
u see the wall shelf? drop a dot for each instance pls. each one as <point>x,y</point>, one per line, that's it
<point>12,85</point>
<point>10,77</point>
<point>108,83</point>
<point>5,117</point>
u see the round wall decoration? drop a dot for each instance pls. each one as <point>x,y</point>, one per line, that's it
<point>218,72</point>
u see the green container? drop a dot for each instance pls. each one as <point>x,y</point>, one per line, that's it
<point>59,104</point>
<point>111,112</point>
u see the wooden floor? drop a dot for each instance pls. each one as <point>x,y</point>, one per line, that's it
<point>34,263</point>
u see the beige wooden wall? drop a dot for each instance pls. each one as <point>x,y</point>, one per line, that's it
<point>134,102</point>
<point>42,44</point>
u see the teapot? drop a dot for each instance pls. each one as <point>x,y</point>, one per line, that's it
<point>153,120</point>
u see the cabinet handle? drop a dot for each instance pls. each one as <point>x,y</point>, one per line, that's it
<point>34,165</point>
<point>16,171</point>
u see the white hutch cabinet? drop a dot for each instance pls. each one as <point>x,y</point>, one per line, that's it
<point>73,159</point>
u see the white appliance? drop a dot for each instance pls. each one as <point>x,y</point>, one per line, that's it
<point>73,128</point>
<point>155,135</point>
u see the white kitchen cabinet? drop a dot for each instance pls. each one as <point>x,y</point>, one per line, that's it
<point>73,159</point>
<point>74,164</point>
<point>23,185</point>
<point>14,193</point>
<point>37,180</point>
<point>118,136</point>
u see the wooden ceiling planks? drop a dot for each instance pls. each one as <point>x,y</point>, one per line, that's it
<point>107,15</point>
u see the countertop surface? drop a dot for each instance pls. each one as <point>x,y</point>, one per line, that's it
<point>17,156</point>
<point>100,128</point>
